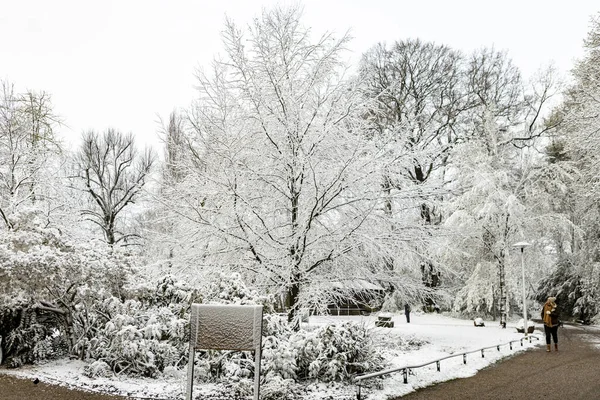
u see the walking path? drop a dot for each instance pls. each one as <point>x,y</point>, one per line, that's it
<point>571,373</point>
<point>12,388</point>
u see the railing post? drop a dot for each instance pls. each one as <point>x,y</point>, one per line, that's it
<point>510,343</point>
<point>521,342</point>
<point>482,355</point>
<point>464,358</point>
<point>437,363</point>
<point>405,373</point>
<point>498,347</point>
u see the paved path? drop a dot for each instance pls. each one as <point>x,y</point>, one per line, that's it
<point>571,373</point>
<point>12,388</point>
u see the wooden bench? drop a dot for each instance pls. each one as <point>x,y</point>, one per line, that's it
<point>384,320</point>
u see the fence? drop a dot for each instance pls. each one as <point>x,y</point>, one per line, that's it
<point>405,369</point>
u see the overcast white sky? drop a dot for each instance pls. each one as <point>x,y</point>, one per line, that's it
<point>120,63</point>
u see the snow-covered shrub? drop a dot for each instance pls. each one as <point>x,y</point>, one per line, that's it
<point>231,289</point>
<point>278,388</point>
<point>97,369</point>
<point>279,358</point>
<point>336,352</point>
<point>166,291</point>
<point>278,352</point>
<point>144,336</point>
<point>224,366</point>
<point>329,353</point>
<point>123,347</point>
<point>149,332</point>
<point>48,348</point>
<point>172,372</point>
<point>402,343</point>
<point>58,283</point>
<point>29,335</point>
<point>276,325</point>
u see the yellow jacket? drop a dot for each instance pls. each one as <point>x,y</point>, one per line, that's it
<point>550,314</point>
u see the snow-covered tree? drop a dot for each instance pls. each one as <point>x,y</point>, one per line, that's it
<point>176,149</point>
<point>581,121</point>
<point>283,185</point>
<point>431,103</point>
<point>495,179</point>
<point>28,150</point>
<point>418,92</point>
<point>573,155</point>
<point>112,172</point>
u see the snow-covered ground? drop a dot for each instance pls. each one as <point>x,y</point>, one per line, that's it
<point>428,337</point>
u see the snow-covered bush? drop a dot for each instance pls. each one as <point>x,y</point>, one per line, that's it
<point>278,351</point>
<point>278,388</point>
<point>224,366</point>
<point>166,291</point>
<point>97,369</point>
<point>144,336</point>
<point>50,285</point>
<point>336,352</point>
<point>30,335</point>
<point>329,353</point>
<point>149,332</point>
<point>231,289</point>
<point>402,343</point>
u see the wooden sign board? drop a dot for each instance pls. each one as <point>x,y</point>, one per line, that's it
<point>225,327</point>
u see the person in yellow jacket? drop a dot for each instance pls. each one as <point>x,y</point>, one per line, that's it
<point>551,322</point>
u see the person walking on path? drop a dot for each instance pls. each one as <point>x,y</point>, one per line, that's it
<point>550,318</point>
<point>407,312</point>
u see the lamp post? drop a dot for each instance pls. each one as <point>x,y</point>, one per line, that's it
<point>522,245</point>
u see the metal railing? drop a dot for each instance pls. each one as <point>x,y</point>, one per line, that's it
<point>407,368</point>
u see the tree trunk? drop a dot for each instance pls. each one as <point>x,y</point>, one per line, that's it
<point>291,303</point>
<point>502,300</point>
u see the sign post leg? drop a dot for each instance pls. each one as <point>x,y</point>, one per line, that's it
<point>190,374</point>
<point>256,373</point>
<point>258,318</point>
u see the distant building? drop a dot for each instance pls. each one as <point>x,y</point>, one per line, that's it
<point>366,297</point>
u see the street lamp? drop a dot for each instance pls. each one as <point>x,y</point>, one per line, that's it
<point>522,245</point>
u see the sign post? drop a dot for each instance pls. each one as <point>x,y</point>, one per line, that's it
<point>225,327</point>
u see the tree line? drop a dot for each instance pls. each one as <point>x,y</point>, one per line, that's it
<point>417,170</point>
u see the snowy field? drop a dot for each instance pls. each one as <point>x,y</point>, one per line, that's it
<point>428,337</point>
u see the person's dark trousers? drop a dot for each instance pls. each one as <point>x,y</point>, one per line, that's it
<point>407,317</point>
<point>551,331</point>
